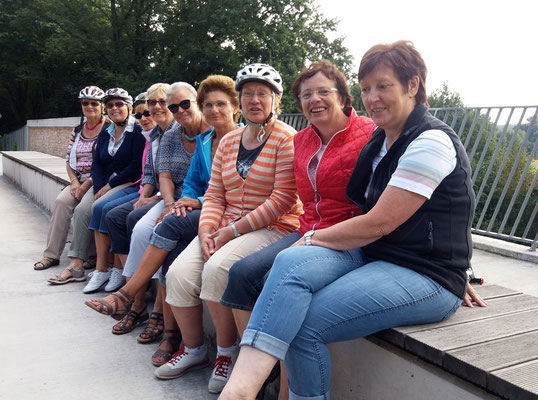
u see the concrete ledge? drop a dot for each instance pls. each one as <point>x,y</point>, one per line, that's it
<point>67,122</point>
<point>40,176</point>
<point>504,248</point>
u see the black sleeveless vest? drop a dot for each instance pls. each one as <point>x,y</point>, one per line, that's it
<point>436,240</point>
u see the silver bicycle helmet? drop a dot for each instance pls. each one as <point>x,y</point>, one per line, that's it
<point>118,93</point>
<point>259,73</point>
<point>91,92</point>
<point>141,98</point>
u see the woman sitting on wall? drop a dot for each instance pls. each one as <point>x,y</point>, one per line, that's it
<point>116,165</point>
<point>79,165</point>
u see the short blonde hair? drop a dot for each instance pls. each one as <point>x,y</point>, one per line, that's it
<point>157,90</point>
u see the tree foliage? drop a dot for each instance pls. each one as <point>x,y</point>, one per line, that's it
<point>53,48</point>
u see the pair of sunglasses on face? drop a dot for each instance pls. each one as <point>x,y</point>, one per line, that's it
<point>139,115</point>
<point>185,104</point>
<point>86,103</point>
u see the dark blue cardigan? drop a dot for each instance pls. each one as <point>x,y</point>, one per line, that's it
<point>126,163</point>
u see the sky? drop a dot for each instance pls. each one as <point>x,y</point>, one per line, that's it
<point>487,51</point>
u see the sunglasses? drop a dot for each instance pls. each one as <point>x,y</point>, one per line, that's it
<point>185,104</point>
<point>153,103</point>
<point>86,103</point>
<point>139,115</point>
<point>117,104</point>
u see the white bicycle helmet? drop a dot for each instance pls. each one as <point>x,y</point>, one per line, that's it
<point>118,93</point>
<point>259,73</point>
<point>141,98</point>
<point>91,92</point>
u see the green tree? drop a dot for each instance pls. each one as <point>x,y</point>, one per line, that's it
<point>56,47</point>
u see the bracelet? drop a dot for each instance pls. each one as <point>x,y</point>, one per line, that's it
<point>73,179</point>
<point>234,229</point>
<point>169,204</point>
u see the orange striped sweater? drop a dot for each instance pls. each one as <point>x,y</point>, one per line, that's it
<point>268,195</point>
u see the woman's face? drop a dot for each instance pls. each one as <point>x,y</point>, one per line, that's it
<point>157,109</point>
<point>91,108</point>
<point>189,118</point>
<point>387,101</point>
<point>146,122</point>
<point>218,109</point>
<point>117,110</point>
<point>322,104</point>
<point>257,101</point>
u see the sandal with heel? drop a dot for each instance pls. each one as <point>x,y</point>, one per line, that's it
<point>129,322</point>
<point>153,330</point>
<point>121,306</point>
<point>173,338</point>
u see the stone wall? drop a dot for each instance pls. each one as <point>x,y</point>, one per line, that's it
<point>51,136</point>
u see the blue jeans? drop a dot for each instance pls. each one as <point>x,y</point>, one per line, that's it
<point>173,234</point>
<point>314,296</point>
<point>121,221</point>
<point>101,209</point>
<point>247,276</point>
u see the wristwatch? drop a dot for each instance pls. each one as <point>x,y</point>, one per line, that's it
<point>308,237</point>
<point>234,229</point>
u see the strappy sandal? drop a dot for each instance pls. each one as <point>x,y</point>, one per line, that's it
<point>75,275</point>
<point>129,322</point>
<point>46,263</point>
<point>172,337</point>
<point>90,263</point>
<point>121,298</point>
<point>153,330</point>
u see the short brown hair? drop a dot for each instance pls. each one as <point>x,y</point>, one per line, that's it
<point>403,58</point>
<point>328,69</point>
<point>218,82</point>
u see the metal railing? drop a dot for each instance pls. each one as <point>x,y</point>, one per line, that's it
<point>15,140</point>
<point>501,143</point>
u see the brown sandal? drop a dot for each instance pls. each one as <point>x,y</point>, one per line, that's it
<point>46,263</point>
<point>129,322</point>
<point>113,309</point>
<point>153,330</point>
<point>173,338</point>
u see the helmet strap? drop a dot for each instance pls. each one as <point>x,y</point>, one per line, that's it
<point>261,132</point>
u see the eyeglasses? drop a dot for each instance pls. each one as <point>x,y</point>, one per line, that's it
<point>117,104</point>
<point>185,104</point>
<point>153,103</point>
<point>261,95</point>
<point>219,105</point>
<point>322,92</point>
<point>139,115</point>
<point>86,103</point>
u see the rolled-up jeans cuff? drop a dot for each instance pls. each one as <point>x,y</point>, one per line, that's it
<point>266,343</point>
<point>325,396</point>
<point>162,243</point>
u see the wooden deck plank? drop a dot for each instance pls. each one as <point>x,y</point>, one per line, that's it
<point>477,361</point>
<point>431,344</point>
<point>496,306</point>
<point>518,382</point>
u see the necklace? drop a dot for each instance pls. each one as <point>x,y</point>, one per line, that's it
<point>193,139</point>
<point>189,139</point>
<point>93,127</point>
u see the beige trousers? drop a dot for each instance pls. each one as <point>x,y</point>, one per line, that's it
<point>189,280</point>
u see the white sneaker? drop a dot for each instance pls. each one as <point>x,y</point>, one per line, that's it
<point>115,281</point>
<point>181,363</point>
<point>97,281</point>
<point>222,368</point>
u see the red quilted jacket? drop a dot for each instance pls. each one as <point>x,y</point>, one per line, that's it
<point>324,201</point>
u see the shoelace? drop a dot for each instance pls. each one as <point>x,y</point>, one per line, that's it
<point>178,355</point>
<point>221,365</point>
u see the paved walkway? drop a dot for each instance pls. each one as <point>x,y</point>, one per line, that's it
<point>54,347</point>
